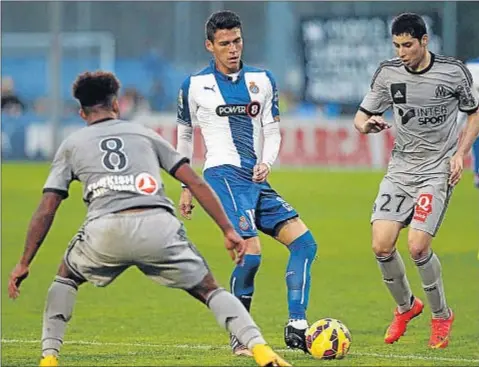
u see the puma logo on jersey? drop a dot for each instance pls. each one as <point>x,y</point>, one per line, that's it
<point>212,88</point>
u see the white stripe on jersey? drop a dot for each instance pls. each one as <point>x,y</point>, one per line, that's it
<point>220,148</point>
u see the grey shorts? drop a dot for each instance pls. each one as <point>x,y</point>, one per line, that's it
<point>153,240</point>
<point>422,207</point>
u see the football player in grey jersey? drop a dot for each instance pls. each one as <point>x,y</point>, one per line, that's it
<point>425,91</point>
<point>130,221</point>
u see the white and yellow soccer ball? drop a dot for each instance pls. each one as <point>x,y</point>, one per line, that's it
<point>328,339</point>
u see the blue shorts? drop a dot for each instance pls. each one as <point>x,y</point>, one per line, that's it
<point>475,156</point>
<point>250,206</point>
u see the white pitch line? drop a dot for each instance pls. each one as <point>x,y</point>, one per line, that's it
<point>212,347</point>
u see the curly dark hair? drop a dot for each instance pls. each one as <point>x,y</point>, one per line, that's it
<point>96,89</point>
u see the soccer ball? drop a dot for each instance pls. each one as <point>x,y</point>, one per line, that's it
<point>328,339</point>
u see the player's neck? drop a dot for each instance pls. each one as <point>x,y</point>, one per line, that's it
<point>424,63</point>
<point>100,117</point>
<point>226,71</point>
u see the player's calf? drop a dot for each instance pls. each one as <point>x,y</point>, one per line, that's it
<point>58,311</point>
<point>242,279</point>
<point>230,314</point>
<point>298,280</point>
<point>242,287</point>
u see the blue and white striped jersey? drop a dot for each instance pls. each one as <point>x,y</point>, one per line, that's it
<point>230,112</point>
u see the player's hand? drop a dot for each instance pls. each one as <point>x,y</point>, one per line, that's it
<point>375,124</point>
<point>186,203</point>
<point>457,165</point>
<point>18,274</point>
<point>235,245</point>
<point>260,172</point>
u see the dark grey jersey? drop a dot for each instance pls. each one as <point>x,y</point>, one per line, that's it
<point>425,107</point>
<point>118,163</point>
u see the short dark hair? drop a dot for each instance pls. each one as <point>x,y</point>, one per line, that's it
<point>409,23</point>
<point>224,19</point>
<point>96,89</point>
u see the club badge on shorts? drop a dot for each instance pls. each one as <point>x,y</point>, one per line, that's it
<point>243,223</point>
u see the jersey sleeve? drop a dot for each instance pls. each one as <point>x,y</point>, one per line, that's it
<point>378,99</point>
<point>186,107</point>
<point>466,92</point>
<point>61,173</point>
<point>170,160</point>
<point>271,104</point>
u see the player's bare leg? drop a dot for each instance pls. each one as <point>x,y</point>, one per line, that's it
<point>294,234</point>
<point>58,311</point>
<point>429,267</point>
<point>242,286</point>
<point>234,317</point>
<point>385,234</point>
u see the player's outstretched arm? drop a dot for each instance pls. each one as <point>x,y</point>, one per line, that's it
<point>38,229</point>
<point>367,124</point>
<point>210,202</point>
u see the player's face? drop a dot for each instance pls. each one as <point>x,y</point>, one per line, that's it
<point>227,48</point>
<point>410,50</point>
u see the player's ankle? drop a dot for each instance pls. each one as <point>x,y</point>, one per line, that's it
<point>49,352</point>
<point>408,307</point>
<point>298,323</point>
<point>255,342</point>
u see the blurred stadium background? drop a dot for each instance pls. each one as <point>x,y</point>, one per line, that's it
<point>323,55</point>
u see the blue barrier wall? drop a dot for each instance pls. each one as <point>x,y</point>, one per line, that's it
<point>30,137</point>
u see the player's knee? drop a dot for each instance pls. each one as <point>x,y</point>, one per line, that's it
<point>419,243</point>
<point>203,290</point>
<point>288,231</point>
<point>382,248</point>
<point>253,246</point>
<point>251,262</point>
<point>65,272</point>
<point>418,246</point>
<point>304,246</point>
<point>418,251</point>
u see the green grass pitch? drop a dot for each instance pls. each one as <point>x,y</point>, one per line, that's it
<point>136,322</point>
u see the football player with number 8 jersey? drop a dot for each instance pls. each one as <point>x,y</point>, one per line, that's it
<point>130,221</point>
